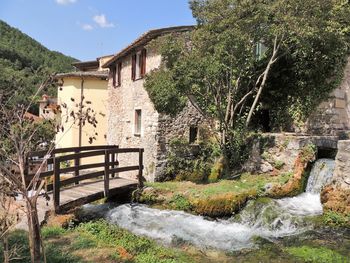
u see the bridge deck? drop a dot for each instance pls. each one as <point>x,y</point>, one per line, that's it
<point>77,195</point>
<point>87,192</point>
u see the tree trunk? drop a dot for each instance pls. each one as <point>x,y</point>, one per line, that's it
<point>5,243</point>
<point>34,231</point>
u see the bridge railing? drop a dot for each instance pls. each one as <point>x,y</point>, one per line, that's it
<point>108,168</point>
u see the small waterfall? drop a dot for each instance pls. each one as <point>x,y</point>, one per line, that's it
<point>321,174</point>
<point>267,218</point>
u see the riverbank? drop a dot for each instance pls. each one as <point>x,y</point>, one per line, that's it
<point>100,241</point>
<point>223,198</point>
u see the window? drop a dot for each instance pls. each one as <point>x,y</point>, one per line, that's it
<point>193,134</point>
<point>260,50</point>
<point>138,68</point>
<point>138,116</point>
<point>116,72</point>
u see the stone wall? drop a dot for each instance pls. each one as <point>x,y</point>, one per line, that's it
<point>123,101</point>
<point>341,175</point>
<point>279,151</point>
<point>333,116</point>
<point>336,196</point>
<point>157,130</point>
<point>177,127</point>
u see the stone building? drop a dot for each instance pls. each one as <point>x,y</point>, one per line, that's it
<point>132,119</point>
<point>333,115</point>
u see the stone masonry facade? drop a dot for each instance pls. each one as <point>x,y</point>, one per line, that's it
<point>157,130</point>
<point>333,116</point>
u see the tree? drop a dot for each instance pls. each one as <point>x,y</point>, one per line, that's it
<point>19,135</point>
<point>239,47</point>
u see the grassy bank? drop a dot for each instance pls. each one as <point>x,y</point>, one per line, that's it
<point>102,242</point>
<point>218,199</point>
<point>97,242</point>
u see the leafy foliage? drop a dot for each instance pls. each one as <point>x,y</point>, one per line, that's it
<point>191,162</point>
<point>219,65</point>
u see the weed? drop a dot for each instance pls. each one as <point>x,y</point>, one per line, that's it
<point>316,255</point>
<point>179,202</point>
<point>336,219</point>
<point>50,232</point>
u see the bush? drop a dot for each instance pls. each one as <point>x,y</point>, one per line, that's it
<point>188,162</point>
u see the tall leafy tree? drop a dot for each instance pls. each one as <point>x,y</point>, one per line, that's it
<point>228,62</point>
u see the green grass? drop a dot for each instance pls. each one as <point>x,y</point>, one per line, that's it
<point>96,241</point>
<point>51,232</point>
<point>336,219</point>
<point>316,255</point>
<point>217,199</point>
<point>141,249</point>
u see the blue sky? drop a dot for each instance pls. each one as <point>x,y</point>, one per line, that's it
<point>86,29</point>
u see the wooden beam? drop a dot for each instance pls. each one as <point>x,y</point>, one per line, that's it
<point>56,185</point>
<point>106,177</point>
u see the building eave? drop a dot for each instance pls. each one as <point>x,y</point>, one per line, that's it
<point>145,38</point>
<point>84,74</point>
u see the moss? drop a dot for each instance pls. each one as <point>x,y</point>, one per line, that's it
<point>278,164</point>
<point>336,199</point>
<point>217,170</point>
<point>179,202</point>
<point>223,204</point>
<point>308,153</point>
<point>215,199</point>
<point>335,219</point>
<point>317,255</point>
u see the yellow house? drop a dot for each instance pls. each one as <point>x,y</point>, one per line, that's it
<point>81,91</point>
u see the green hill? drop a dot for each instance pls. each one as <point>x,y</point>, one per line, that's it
<point>24,62</point>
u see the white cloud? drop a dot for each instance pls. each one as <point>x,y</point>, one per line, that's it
<point>87,27</point>
<point>101,20</point>
<point>65,2</point>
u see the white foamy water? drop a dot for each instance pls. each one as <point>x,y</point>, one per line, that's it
<point>268,219</point>
<point>176,226</point>
<point>321,174</point>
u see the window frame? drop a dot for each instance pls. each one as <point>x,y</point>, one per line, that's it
<point>193,135</point>
<point>138,122</point>
<point>138,64</point>
<point>116,74</point>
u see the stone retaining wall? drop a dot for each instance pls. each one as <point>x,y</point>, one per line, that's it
<point>341,176</point>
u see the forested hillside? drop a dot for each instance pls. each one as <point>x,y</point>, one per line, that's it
<point>24,62</point>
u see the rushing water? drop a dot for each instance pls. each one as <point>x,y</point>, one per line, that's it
<point>265,218</point>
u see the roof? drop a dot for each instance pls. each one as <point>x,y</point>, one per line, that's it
<point>30,116</point>
<point>84,74</point>
<point>86,65</point>
<point>145,38</point>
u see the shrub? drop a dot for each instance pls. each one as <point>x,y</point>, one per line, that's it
<point>188,162</point>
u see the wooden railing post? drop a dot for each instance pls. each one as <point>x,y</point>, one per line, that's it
<point>140,175</point>
<point>113,163</point>
<point>106,177</point>
<point>76,165</point>
<point>56,184</point>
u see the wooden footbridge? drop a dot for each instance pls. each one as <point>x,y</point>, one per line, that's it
<point>83,182</point>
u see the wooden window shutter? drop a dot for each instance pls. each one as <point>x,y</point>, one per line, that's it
<point>143,62</point>
<point>133,67</point>
<point>119,74</point>
<point>113,71</point>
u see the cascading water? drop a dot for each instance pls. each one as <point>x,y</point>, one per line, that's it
<point>266,218</point>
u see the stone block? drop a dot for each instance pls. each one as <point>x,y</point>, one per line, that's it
<point>340,103</point>
<point>339,94</point>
